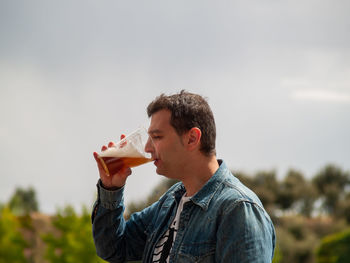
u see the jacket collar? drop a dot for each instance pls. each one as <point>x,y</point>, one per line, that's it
<point>203,197</point>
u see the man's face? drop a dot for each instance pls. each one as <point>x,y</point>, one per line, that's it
<point>167,149</point>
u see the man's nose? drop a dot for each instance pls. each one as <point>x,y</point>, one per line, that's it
<point>149,147</point>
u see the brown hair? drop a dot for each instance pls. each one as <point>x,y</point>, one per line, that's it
<point>188,110</point>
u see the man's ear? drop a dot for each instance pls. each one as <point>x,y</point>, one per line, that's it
<point>193,138</point>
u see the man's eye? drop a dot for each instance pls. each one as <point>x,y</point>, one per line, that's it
<point>156,137</point>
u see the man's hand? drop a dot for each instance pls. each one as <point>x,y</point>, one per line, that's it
<point>114,180</point>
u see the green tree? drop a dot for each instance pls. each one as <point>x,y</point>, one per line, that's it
<point>23,201</point>
<point>291,189</point>
<point>74,243</point>
<point>334,248</point>
<point>344,208</point>
<point>296,240</point>
<point>12,244</point>
<point>331,182</point>
<point>265,185</point>
<point>296,193</point>
<point>277,257</point>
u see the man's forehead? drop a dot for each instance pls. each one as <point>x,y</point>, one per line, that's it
<point>161,117</point>
<point>159,121</point>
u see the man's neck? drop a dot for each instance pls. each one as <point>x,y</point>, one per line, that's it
<point>199,173</point>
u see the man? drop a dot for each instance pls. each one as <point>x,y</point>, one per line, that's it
<point>209,216</point>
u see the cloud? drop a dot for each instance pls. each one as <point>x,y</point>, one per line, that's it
<point>321,95</point>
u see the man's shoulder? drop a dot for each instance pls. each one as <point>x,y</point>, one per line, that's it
<point>233,190</point>
<point>232,186</point>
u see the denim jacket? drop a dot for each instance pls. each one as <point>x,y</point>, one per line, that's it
<point>223,222</point>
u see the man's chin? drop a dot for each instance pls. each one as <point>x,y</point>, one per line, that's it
<point>160,171</point>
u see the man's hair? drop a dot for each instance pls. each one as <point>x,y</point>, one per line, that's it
<point>188,110</point>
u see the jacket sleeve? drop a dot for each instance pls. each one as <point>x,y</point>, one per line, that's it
<point>115,239</point>
<point>245,234</point>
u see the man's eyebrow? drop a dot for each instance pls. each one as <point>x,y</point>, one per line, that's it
<point>154,131</point>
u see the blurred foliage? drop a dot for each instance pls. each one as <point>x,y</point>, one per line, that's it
<point>331,182</point>
<point>343,210</point>
<point>296,193</point>
<point>277,256</point>
<point>304,211</point>
<point>297,237</point>
<point>310,217</point>
<point>334,248</point>
<point>23,201</point>
<point>74,242</point>
<point>12,244</point>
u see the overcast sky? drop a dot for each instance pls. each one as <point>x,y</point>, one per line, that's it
<point>74,75</point>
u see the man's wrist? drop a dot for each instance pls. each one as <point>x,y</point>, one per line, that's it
<point>112,188</point>
<point>108,198</point>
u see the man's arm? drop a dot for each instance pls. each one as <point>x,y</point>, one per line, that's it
<point>107,215</point>
<point>115,239</point>
<point>245,235</point>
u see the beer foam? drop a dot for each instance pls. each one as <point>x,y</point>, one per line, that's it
<point>132,146</point>
<point>126,151</point>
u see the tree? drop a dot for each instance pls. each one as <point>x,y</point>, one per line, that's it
<point>330,183</point>
<point>296,193</point>
<point>265,185</point>
<point>344,208</point>
<point>23,201</point>
<point>12,244</point>
<point>74,243</point>
<point>334,248</point>
<point>291,189</point>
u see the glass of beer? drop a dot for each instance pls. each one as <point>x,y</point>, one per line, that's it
<point>128,152</point>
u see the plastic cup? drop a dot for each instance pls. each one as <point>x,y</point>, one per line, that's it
<point>128,152</point>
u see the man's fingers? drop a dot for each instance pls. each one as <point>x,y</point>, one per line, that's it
<point>112,144</point>
<point>121,145</point>
<point>96,156</point>
<point>104,147</point>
